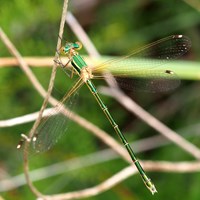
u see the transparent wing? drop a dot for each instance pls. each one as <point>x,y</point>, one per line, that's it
<point>52,127</point>
<point>157,81</point>
<point>146,67</point>
<point>148,57</point>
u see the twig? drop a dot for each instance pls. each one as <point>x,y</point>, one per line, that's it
<point>28,72</point>
<point>22,63</point>
<point>79,163</point>
<point>40,89</point>
<point>109,183</point>
<point>126,173</point>
<point>85,161</point>
<point>25,118</point>
<point>31,61</point>
<point>45,102</point>
<point>36,61</point>
<point>152,121</point>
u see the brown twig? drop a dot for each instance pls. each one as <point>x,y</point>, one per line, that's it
<point>31,61</point>
<point>45,102</point>
<point>22,63</point>
<point>25,119</point>
<point>34,61</point>
<point>125,173</point>
<point>33,79</point>
<point>83,161</point>
<point>152,121</point>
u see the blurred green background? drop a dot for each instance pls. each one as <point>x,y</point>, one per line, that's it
<point>33,28</point>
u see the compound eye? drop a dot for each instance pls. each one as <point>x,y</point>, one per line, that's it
<point>62,51</point>
<point>78,45</point>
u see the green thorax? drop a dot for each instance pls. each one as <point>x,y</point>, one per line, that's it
<point>78,63</point>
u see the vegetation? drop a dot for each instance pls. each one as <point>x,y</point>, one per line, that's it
<point>115,27</point>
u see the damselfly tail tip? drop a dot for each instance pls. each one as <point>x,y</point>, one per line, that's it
<point>153,189</point>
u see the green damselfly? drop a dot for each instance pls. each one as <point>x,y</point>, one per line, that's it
<point>149,74</point>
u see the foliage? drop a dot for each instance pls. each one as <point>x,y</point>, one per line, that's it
<point>115,27</point>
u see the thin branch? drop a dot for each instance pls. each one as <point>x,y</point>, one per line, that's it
<point>152,121</point>
<point>34,61</point>
<point>79,163</point>
<point>88,160</point>
<point>22,63</point>
<point>35,82</point>
<point>45,102</point>
<point>37,85</point>
<point>105,137</point>
<point>125,173</point>
<point>25,118</point>
<point>31,61</point>
<point>93,191</point>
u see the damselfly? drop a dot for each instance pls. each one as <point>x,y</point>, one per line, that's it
<point>149,75</point>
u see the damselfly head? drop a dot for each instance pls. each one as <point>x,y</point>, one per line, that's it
<point>69,47</point>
